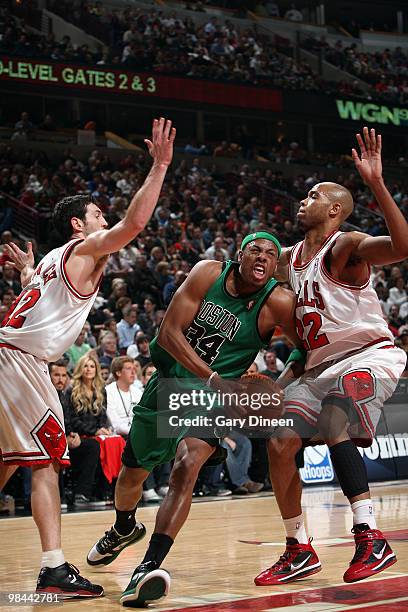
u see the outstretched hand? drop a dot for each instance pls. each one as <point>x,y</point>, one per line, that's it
<point>19,259</point>
<point>161,145</point>
<point>369,165</point>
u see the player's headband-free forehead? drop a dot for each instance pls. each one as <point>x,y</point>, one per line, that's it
<point>265,236</point>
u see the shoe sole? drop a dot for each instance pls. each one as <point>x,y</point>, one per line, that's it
<point>69,594</point>
<point>373,573</point>
<point>153,587</point>
<point>110,559</point>
<point>285,580</point>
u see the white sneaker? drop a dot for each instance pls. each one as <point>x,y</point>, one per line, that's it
<point>150,496</point>
<point>162,491</point>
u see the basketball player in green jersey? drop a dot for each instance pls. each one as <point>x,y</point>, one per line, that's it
<point>215,325</point>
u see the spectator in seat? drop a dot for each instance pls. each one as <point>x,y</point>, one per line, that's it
<point>127,328</point>
<point>171,287</point>
<point>394,319</point>
<point>144,351</point>
<point>108,348</point>
<point>217,246</point>
<point>78,349</point>
<point>85,401</point>
<point>8,280</point>
<point>238,461</point>
<point>271,365</point>
<point>24,125</point>
<point>84,453</point>
<point>147,372</point>
<point>398,294</point>
<point>122,394</point>
<point>293,14</point>
<point>147,318</point>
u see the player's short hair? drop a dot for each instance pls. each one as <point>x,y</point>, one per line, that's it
<point>118,363</point>
<point>66,209</point>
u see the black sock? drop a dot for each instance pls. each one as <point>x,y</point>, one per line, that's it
<point>125,521</point>
<point>159,547</point>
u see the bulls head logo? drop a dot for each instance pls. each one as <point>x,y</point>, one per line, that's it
<point>359,385</point>
<point>54,438</point>
<point>51,436</point>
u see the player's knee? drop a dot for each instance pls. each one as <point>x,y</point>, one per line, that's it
<point>284,447</point>
<point>332,423</point>
<point>130,477</point>
<point>184,472</point>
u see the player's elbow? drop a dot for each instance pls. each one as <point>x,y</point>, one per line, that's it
<point>164,337</point>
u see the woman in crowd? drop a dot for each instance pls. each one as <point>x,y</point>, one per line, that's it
<point>86,399</point>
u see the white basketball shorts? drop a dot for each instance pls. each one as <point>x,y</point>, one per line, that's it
<point>359,383</point>
<point>31,417</point>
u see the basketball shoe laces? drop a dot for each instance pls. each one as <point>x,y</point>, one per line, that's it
<point>361,548</point>
<point>108,541</point>
<point>289,554</point>
<point>77,575</point>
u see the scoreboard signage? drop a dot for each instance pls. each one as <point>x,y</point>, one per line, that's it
<point>100,79</point>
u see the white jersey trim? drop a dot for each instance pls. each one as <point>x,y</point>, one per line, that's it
<point>299,266</point>
<point>340,283</point>
<point>65,277</point>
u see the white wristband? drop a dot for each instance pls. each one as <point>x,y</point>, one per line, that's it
<point>208,383</point>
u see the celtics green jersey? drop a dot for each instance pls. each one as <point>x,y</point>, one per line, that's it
<point>224,332</point>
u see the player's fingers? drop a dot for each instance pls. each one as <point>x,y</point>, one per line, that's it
<point>12,249</point>
<point>29,248</point>
<point>160,128</point>
<point>167,129</point>
<point>378,144</point>
<point>172,134</point>
<point>154,129</point>
<point>373,140</point>
<point>149,144</point>
<point>367,140</point>
<point>354,155</point>
<point>361,143</point>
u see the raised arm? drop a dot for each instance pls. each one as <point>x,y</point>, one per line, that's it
<point>382,249</point>
<point>23,262</point>
<point>144,201</point>
<point>282,269</point>
<point>181,312</point>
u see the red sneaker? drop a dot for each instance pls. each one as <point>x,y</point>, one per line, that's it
<point>373,554</point>
<point>298,561</point>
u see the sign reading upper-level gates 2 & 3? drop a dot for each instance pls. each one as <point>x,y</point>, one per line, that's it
<point>101,79</point>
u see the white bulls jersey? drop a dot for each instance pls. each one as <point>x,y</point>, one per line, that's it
<point>49,313</point>
<point>332,317</point>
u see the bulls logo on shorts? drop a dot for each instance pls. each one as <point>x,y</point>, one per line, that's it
<point>359,385</point>
<point>50,437</point>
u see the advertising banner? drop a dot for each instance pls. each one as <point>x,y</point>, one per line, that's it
<point>101,79</point>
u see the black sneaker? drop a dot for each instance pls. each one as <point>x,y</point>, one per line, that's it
<point>112,543</point>
<point>149,583</point>
<point>66,581</point>
<point>81,501</point>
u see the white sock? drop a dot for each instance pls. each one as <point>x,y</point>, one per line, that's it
<point>52,558</point>
<point>295,528</point>
<point>363,512</point>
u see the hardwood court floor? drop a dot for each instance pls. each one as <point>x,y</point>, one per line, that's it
<point>224,544</point>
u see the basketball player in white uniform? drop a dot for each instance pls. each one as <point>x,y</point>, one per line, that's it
<point>39,327</point>
<point>352,366</point>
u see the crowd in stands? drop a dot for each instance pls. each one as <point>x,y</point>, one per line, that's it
<point>201,214</point>
<point>386,71</point>
<point>167,44</point>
